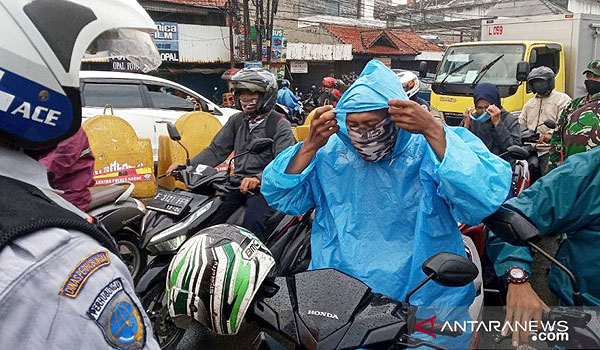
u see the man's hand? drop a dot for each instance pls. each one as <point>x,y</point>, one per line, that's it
<point>545,138</point>
<point>467,117</point>
<point>522,305</point>
<point>249,184</point>
<point>173,167</point>
<point>494,113</point>
<point>322,126</point>
<point>410,116</point>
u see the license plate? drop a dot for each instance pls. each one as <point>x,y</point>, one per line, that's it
<point>169,203</point>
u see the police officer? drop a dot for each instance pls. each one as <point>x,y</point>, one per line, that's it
<point>62,284</point>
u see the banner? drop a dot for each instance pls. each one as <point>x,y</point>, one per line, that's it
<point>166,39</point>
<point>119,173</point>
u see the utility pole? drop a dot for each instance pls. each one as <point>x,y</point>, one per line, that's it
<point>269,33</point>
<point>231,48</point>
<point>259,28</point>
<point>246,20</point>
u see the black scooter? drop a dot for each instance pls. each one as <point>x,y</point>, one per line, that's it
<point>306,310</point>
<point>175,216</point>
<point>583,323</point>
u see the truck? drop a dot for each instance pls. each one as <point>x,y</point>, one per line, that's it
<point>508,49</point>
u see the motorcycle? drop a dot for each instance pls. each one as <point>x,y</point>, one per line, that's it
<point>304,310</point>
<point>121,216</point>
<point>583,323</point>
<point>530,139</point>
<point>175,216</point>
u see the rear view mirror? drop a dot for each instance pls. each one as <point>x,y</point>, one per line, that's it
<point>450,270</point>
<point>512,227</point>
<point>550,123</point>
<point>523,69</point>
<point>423,69</point>
<point>173,132</point>
<point>518,152</point>
<point>260,145</point>
<point>533,57</point>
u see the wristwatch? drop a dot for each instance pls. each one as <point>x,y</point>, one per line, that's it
<point>517,275</point>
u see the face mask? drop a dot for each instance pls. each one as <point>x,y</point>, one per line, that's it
<point>481,119</point>
<point>540,87</point>
<point>375,143</point>
<point>592,86</point>
<point>249,106</point>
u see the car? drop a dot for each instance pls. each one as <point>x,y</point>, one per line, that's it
<point>144,101</point>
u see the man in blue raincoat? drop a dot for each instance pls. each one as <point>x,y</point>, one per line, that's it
<point>286,97</point>
<point>388,182</point>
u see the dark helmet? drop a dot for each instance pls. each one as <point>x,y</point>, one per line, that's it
<point>541,80</point>
<point>256,80</point>
<point>285,83</point>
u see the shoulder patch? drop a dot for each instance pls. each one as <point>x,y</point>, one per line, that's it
<point>119,317</point>
<point>80,274</point>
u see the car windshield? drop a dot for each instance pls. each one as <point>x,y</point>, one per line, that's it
<point>502,72</point>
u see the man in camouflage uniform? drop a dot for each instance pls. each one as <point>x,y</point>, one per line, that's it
<point>579,124</point>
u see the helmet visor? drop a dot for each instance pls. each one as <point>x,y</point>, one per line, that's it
<point>135,45</point>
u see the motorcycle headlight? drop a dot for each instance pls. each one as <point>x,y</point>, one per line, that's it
<point>171,245</point>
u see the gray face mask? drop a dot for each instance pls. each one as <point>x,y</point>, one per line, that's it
<point>375,143</point>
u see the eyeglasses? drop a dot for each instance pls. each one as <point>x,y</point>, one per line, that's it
<point>248,100</point>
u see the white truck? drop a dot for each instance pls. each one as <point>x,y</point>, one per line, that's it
<point>578,33</point>
<point>565,43</point>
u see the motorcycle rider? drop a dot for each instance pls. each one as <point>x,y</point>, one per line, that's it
<point>286,97</point>
<point>329,94</point>
<point>496,127</point>
<point>387,180</point>
<point>411,85</point>
<point>577,129</point>
<point>255,91</point>
<point>63,284</point>
<point>567,199</point>
<point>547,104</point>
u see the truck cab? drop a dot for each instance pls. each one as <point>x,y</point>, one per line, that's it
<point>463,67</point>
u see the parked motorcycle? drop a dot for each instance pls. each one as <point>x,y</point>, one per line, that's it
<point>175,216</point>
<point>583,323</point>
<point>304,309</point>
<point>121,216</point>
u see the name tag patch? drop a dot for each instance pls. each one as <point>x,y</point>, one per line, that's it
<point>119,317</point>
<point>80,274</point>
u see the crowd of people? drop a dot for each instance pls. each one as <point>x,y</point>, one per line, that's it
<point>388,180</point>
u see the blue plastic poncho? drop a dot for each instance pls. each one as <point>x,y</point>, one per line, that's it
<point>287,98</point>
<point>380,221</point>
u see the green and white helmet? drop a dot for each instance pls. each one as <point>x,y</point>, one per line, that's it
<point>214,277</point>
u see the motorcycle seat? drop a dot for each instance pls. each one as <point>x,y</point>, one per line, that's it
<point>105,195</point>
<point>272,222</point>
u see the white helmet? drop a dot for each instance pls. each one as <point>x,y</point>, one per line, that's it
<point>41,48</point>
<point>410,82</point>
<point>215,276</point>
